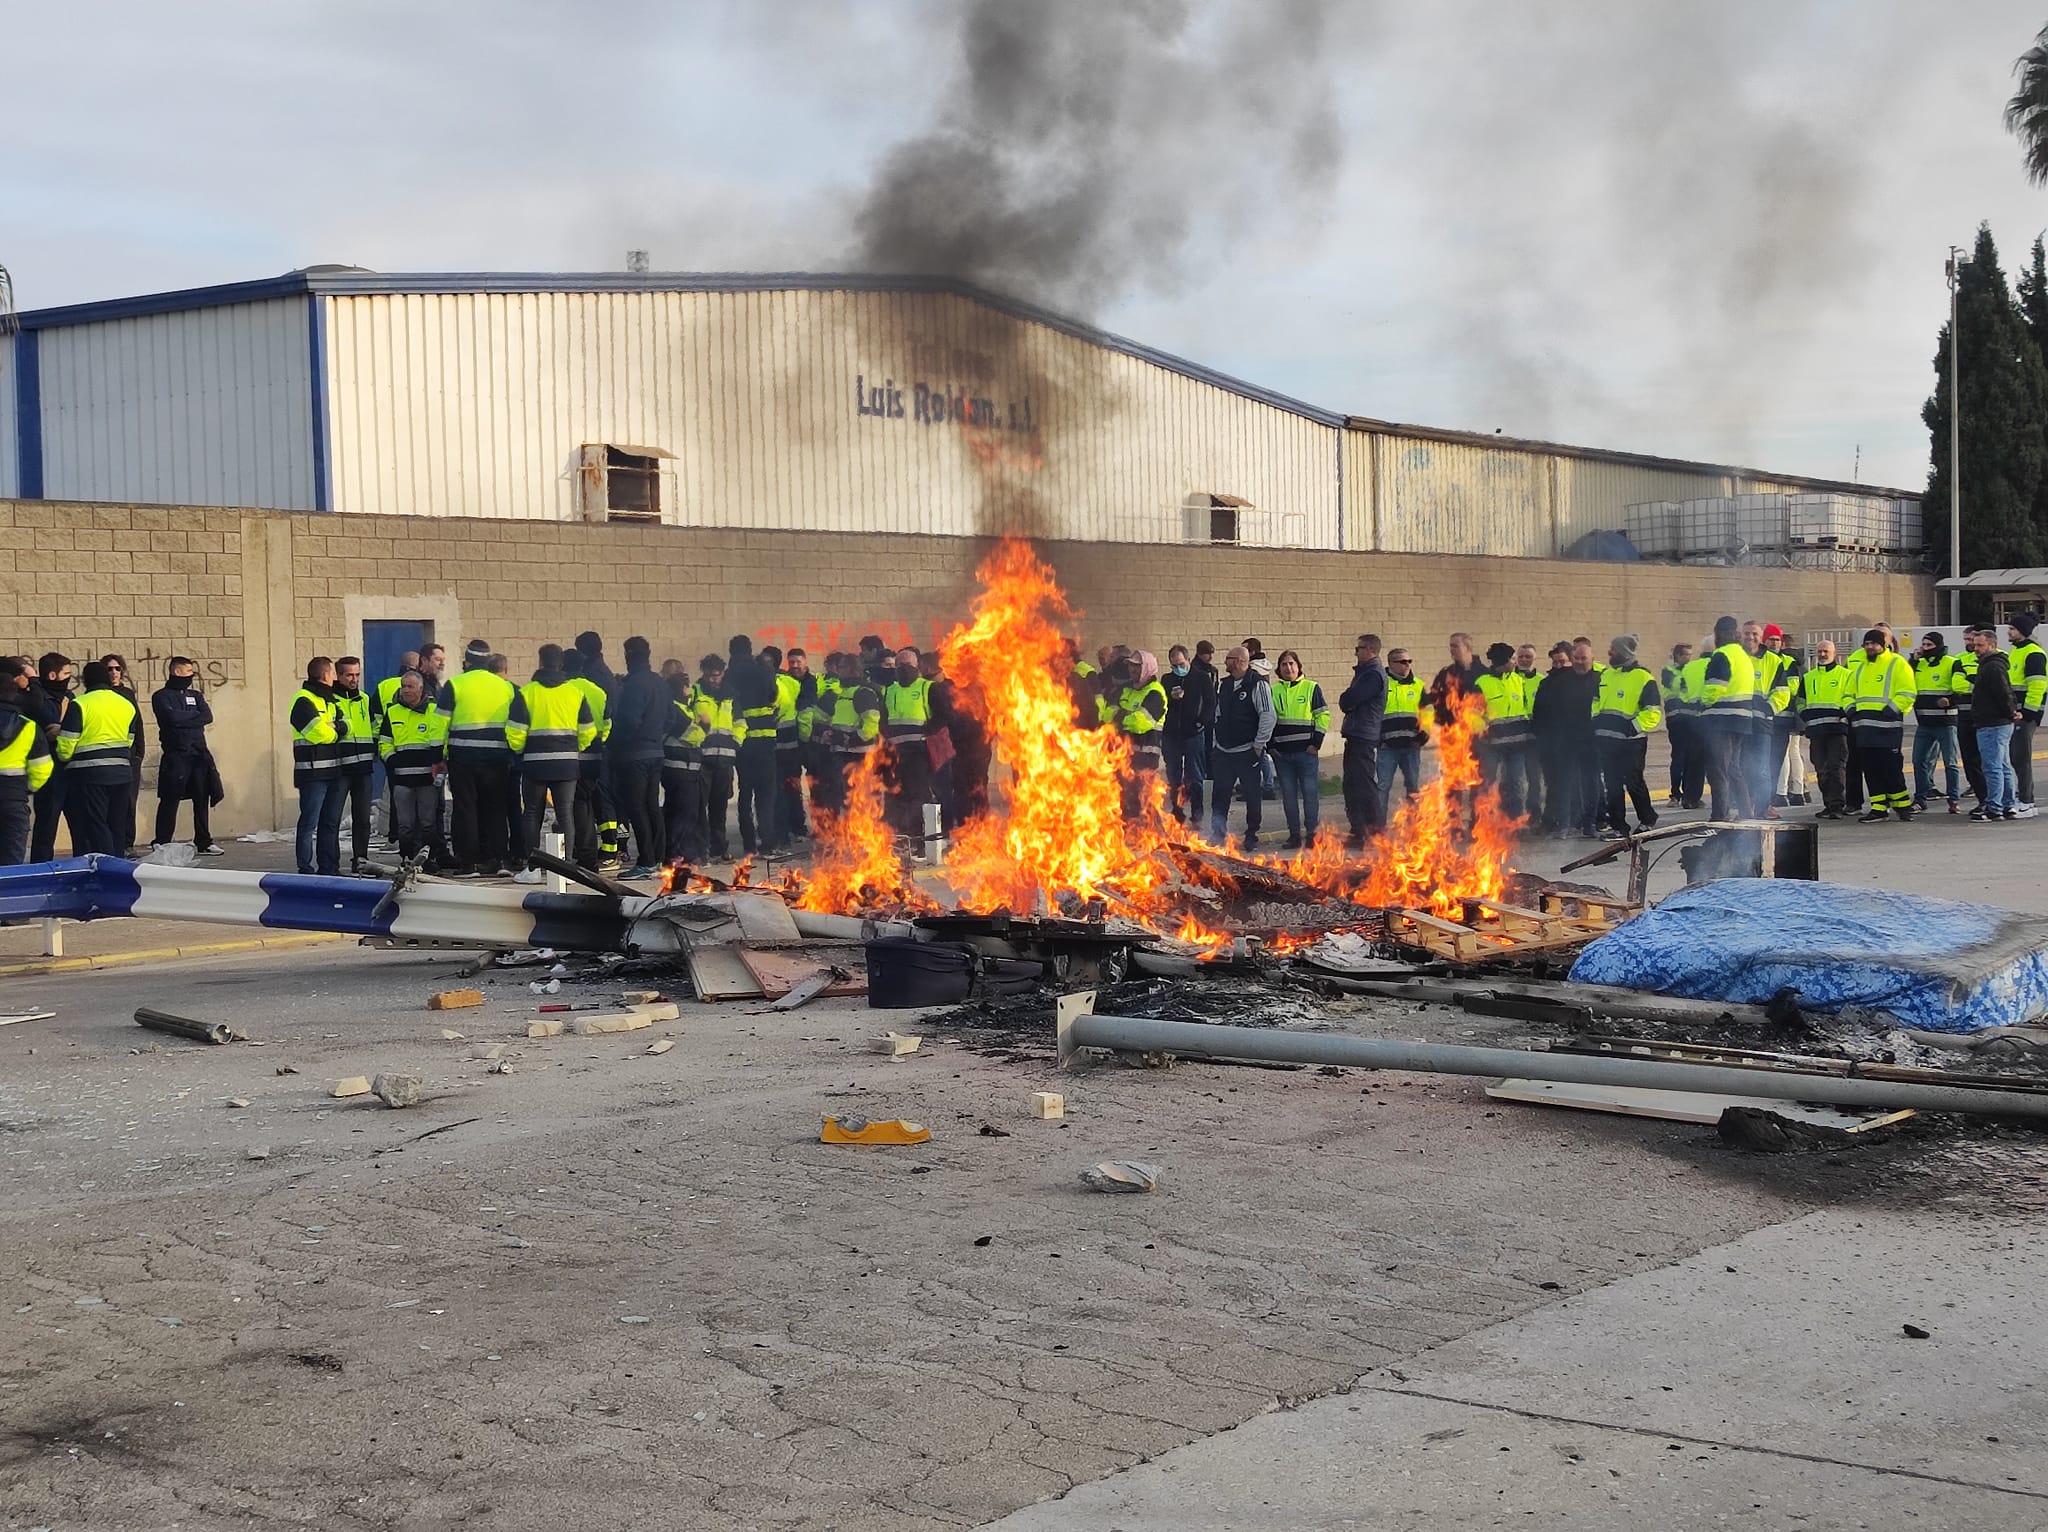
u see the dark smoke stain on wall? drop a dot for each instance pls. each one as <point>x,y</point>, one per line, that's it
<point>1086,150</point>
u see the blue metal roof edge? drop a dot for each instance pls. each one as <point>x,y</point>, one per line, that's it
<point>342,284</point>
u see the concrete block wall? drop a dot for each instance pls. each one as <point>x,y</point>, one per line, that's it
<point>250,594</point>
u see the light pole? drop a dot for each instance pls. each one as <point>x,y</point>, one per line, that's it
<point>1955,433</point>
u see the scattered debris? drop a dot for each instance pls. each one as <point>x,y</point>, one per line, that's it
<point>483,1054</point>
<point>446,1127</point>
<point>549,987</point>
<point>455,999</point>
<point>632,1319</point>
<point>626,1021</point>
<point>1048,1104</point>
<point>397,1090</point>
<point>287,1069</point>
<point>258,1152</point>
<point>1777,1126</point>
<point>717,973</point>
<point>803,991</point>
<point>858,1130</point>
<point>1680,1105</point>
<point>1121,1176</point>
<point>545,1029</point>
<point>783,975</point>
<point>895,1044</point>
<point>354,1085</point>
<point>990,1130</point>
<point>569,1005</point>
<point>319,1361</point>
<point>986,1239</point>
<point>661,1046</point>
<point>184,1026</point>
<point>11,1018</point>
<point>235,1101</point>
<point>499,1067</point>
<point>1914,1332</point>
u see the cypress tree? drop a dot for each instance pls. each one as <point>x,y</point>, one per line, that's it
<point>2005,424</point>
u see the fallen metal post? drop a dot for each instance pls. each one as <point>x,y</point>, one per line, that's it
<point>184,1026</point>
<point>1080,1028</point>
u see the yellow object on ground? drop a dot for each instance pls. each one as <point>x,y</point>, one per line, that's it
<point>857,1130</point>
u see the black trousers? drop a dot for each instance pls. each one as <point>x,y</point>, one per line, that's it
<point>2023,761</point>
<point>92,807</point>
<point>482,799</point>
<point>1830,754</point>
<point>1728,755</point>
<point>1884,774</point>
<point>682,811</point>
<point>1621,772</point>
<point>828,788</point>
<point>1238,771</point>
<point>1688,761</point>
<point>566,798</point>
<point>718,782</point>
<point>49,813</point>
<point>789,789</point>
<point>14,823</point>
<point>355,787</point>
<point>910,788</point>
<point>638,786</point>
<point>1973,759</point>
<point>759,830</point>
<point>1362,807</point>
<point>596,804</point>
<point>167,820</point>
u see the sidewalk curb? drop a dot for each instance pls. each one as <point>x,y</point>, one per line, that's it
<point>163,954</point>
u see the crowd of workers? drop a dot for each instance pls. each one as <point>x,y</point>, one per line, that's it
<point>472,763</point>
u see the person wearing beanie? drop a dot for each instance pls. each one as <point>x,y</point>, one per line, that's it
<point>2027,663</point>
<point>1787,781</point>
<point>1880,692</point>
<point>1628,709</point>
<point>1934,723</point>
<point>1726,719</point>
<point>1563,719</point>
<point>1510,738</point>
<point>478,704</point>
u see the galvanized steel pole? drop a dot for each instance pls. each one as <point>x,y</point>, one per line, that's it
<point>1955,432</point>
<point>1132,1034</point>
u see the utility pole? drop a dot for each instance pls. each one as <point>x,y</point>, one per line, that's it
<point>1955,432</point>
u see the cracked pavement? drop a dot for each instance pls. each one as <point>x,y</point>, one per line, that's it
<point>637,1290</point>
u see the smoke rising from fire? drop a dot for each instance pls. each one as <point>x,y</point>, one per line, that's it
<point>1084,150</point>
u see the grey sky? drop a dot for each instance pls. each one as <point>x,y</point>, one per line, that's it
<point>1700,229</point>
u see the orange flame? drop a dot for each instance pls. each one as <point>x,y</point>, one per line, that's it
<point>1063,830</point>
<point>856,866</point>
<point>1429,857</point>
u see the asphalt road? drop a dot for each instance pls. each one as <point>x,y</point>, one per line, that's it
<point>624,1288</point>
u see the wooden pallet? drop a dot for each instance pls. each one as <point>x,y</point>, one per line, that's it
<point>1492,931</point>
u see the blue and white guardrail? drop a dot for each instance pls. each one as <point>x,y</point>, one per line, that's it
<point>107,887</point>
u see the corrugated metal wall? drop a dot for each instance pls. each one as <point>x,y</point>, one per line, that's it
<point>206,407</point>
<point>801,409</point>
<point>1595,494</point>
<point>10,465</point>
<point>1450,497</point>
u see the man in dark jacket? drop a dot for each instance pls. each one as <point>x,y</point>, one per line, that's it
<point>1460,676</point>
<point>1994,709</point>
<point>186,772</point>
<point>1563,720</point>
<point>641,708</point>
<point>44,704</point>
<point>1364,705</point>
<point>26,760</point>
<point>1190,712</point>
<point>751,686</point>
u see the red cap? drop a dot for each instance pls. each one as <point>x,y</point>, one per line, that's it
<point>1772,630</point>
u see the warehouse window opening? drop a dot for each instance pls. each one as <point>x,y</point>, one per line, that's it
<point>1209,518</point>
<point>621,483</point>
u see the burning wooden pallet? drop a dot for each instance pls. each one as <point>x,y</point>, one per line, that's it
<point>1492,932</point>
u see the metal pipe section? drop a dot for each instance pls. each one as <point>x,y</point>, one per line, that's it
<point>1135,1034</point>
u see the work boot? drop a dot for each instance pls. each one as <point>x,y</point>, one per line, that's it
<point>1874,816</point>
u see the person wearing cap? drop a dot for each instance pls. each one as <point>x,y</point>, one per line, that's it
<point>1934,723</point>
<point>1788,754</point>
<point>1626,710</point>
<point>478,704</point>
<point>2028,664</point>
<point>1881,693</point>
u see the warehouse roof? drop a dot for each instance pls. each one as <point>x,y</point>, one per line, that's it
<point>351,281</point>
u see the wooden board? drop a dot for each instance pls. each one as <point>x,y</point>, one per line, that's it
<point>1673,1105</point>
<point>780,972</point>
<point>717,973</point>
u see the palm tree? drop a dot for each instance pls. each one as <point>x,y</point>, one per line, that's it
<point>2026,115</point>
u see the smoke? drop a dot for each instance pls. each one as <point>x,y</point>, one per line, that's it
<point>1648,211</point>
<point>1085,150</point>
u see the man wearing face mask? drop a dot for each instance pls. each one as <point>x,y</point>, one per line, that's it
<point>357,754</point>
<point>25,759</point>
<point>45,704</point>
<point>186,772</point>
<point>1190,709</point>
<point>906,719</point>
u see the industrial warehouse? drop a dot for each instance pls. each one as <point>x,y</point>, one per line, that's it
<point>337,461</point>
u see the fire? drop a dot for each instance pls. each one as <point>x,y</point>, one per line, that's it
<point>1063,829</point>
<point>856,866</point>
<point>1428,858</point>
<point>1060,834</point>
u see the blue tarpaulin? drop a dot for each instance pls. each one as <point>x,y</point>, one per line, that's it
<point>1933,964</point>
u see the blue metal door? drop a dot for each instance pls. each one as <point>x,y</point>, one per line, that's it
<point>383,643</point>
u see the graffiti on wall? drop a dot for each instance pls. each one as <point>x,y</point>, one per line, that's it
<point>819,638</point>
<point>146,665</point>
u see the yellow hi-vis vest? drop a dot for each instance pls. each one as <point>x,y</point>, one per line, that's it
<point>481,702</point>
<point>906,709</point>
<point>1821,697</point>
<point>1733,701</point>
<point>721,741</point>
<point>1300,715</point>
<point>1508,707</point>
<point>2029,665</point>
<point>549,728</point>
<point>97,740</point>
<point>412,741</point>
<point>357,749</point>
<point>1881,694</point>
<point>594,695</point>
<point>1619,711</point>
<point>856,719</point>
<point>25,761</point>
<point>787,689</point>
